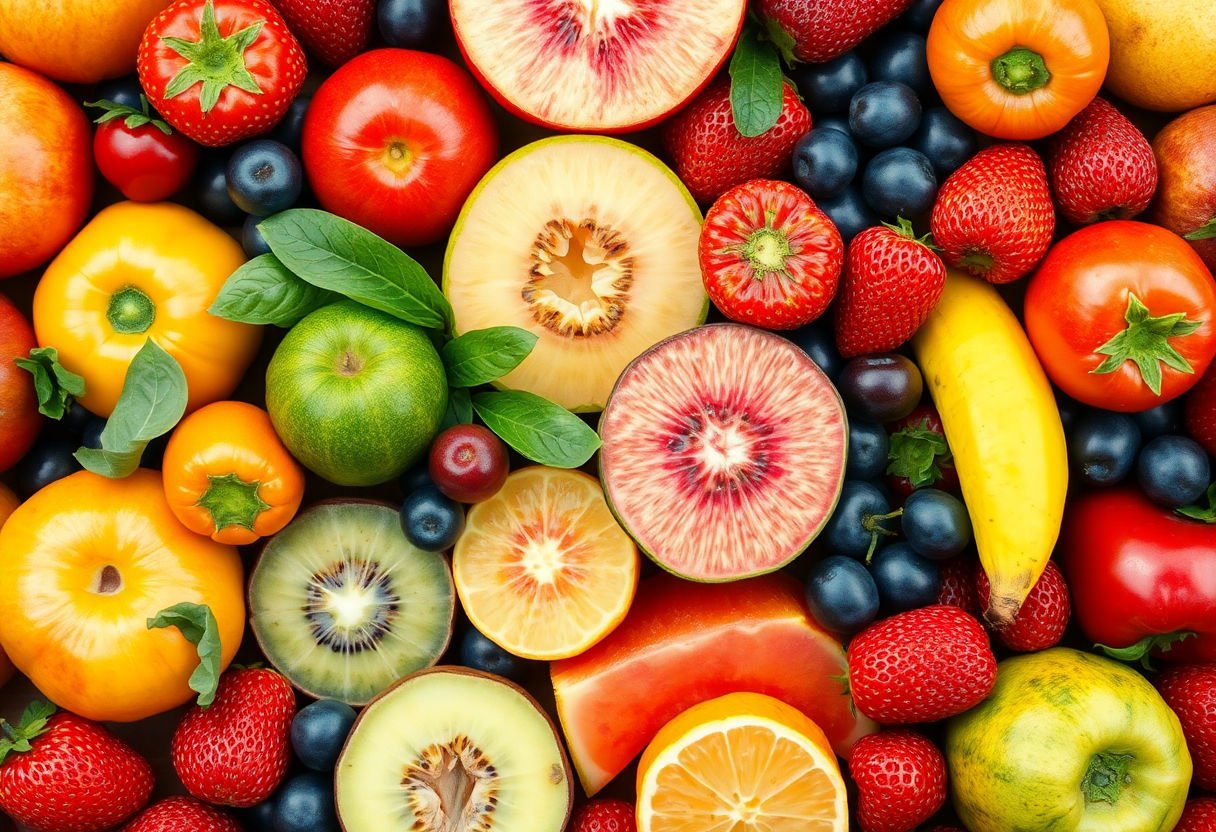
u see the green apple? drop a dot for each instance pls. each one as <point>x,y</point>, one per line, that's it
<point>356,395</point>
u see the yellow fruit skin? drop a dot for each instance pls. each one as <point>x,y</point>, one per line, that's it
<point>1018,760</point>
<point>1003,426</point>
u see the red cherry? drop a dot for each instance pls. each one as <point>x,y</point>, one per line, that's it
<point>468,463</point>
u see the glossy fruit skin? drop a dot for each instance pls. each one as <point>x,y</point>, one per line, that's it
<point>899,182</point>
<point>900,56</point>
<point>479,653</point>
<point>836,121</point>
<point>468,463</point>
<point>264,177</point>
<point>1138,570</point>
<point>20,421</point>
<point>605,815</point>
<point>905,580</point>
<point>108,665</point>
<point>880,388</point>
<point>182,814</point>
<point>1102,447</point>
<point>969,38</point>
<point>319,730</point>
<point>853,527</point>
<point>849,211</point>
<point>901,780</point>
<point>395,140</point>
<point>142,162</point>
<point>1198,816</point>
<point>1160,420</point>
<point>290,129</point>
<point>46,172</point>
<point>825,162</point>
<point>1088,280</point>
<point>252,241</point>
<point>842,594</point>
<point>332,30</point>
<point>823,29</point>
<point>1185,151</point>
<point>411,24</point>
<point>177,262</point>
<point>945,141</point>
<point>884,114</point>
<point>868,447</point>
<point>935,524</point>
<point>919,15</point>
<point>1190,691</point>
<point>431,520</point>
<point>1173,471</point>
<point>829,86</point>
<point>306,804</point>
<point>49,459</point>
<point>1199,411</point>
<point>1042,618</point>
<point>211,186</point>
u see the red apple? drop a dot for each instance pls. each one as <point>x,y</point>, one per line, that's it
<point>19,417</point>
<point>46,169</point>
<point>1186,190</point>
<point>395,140</point>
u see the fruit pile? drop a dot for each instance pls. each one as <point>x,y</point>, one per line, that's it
<point>573,416</point>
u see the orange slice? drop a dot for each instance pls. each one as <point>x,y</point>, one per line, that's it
<point>741,763</point>
<point>542,568</point>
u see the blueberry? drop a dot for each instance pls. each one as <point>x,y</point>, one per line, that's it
<point>849,212</point>
<point>259,818</point>
<point>899,182</point>
<point>884,114</point>
<point>819,342</point>
<point>858,523</point>
<point>1173,471</point>
<point>945,140</point>
<point>125,90</point>
<point>841,594</point>
<point>415,478</point>
<point>318,732</point>
<point>1071,411</point>
<point>828,87</point>
<point>48,460</point>
<point>90,437</point>
<point>212,188</point>
<point>305,803</point>
<point>431,521</point>
<point>868,446</point>
<point>935,523</point>
<point>264,177</point>
<point>252,240</point>
<point>479,653</point>
<point>919,15</point>
<point>834,122</point>
<point>900,56</point>
<point>880,388</point>
<point>290,128</point>
<point>905,580</point>
<point>411,24</point>
<point>1159,420</point>
<point>825,162</point>
<point>1102,447</point>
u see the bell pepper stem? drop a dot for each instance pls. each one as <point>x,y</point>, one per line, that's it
<point>1105,777</point>
<point>131,311</point>
<point>232,501</point>
<point>1020,70</point>
<point>1142,650</point>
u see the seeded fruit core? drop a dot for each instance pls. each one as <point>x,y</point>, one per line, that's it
<point>580,278</point>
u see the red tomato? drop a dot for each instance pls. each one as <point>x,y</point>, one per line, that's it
<point>142,157</point>
<point>19,417</point>
<point>1121,315</point>
<point>395,140</point>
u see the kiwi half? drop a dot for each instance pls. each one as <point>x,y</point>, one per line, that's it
<point>453,750</point>
<point>343,605</point>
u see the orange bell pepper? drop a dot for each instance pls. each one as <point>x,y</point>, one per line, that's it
<point>1018,69</point>
<point>228,476</point>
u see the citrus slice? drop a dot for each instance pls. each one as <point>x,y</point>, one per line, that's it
<point>743,762</point>
<point>542,567</point>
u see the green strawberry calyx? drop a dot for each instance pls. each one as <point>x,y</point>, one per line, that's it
<point>1020,70</point>
<point>903,227</point>
<point>1146,342</point>
<point>215,61</point>
<point>132,118</point>
<point>34,723</point>
<point>915,453</point>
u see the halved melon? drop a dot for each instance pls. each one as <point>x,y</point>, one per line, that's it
<point>588,242</point>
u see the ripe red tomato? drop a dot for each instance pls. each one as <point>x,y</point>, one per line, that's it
<point>395,140</point>
<point>141,156</point>
<point>1121,314</point>
<point>19,417</point>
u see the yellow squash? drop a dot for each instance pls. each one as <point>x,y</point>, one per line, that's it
<point>1003,427</point>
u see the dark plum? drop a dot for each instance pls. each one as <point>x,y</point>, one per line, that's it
<point>90,436</point>
<point>290,128</point>
<point>252,240</point>
<point>50,459</point>
<point>825,162</point>
<point>264,177</point>
<point>75,419</point>
<point>211,184</point>
<point>835,121</point>
<point>935,524</point>
<point>1102,447</point>
<point>868,447</point>
<point>431,520</point>
<point>411,24</point>
<point>829,87</point>
<point>905,579</point>
<point>849,212</point>
<point>899,182</point>
<point>945,141</point>
<point>880,388</point>
<point>1159,420</point>
<point>884,114</point>
<point>1071,411</point>
<point>305,803</point>
<point>919,15</point>
<point>1173,471</point>
<point>841,594</point>
<point>819,342</point>
<point>861,522</point>
<point>900,56</point>
<point>479,653</point>
<point>318,732</point>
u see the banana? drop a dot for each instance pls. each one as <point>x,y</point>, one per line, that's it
<point>1003,426</point>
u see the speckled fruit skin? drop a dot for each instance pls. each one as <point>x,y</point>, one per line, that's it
<point>1191,691</point>
<point>182,814</point>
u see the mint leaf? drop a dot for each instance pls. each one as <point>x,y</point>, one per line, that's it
<point>152,401</point>
<point>335,254</point>
<point>460,408</point>
<point>54,384</point>
<point>198,625</point>
<point>485,355</point>
<point>756,84</point>
<point>537,428</point>
<point>264,291</point>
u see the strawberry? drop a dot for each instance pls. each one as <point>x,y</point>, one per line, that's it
<point>260,70</point>
<point>901,780</point>
<point>958,584</point>
<point>819,30</point>
<point>1043,616</point>
<point>62,773</point>
<point>920,666</point>
<point>605,816</point>
<point>235,751</point>
<point>182,814</point>
<point>768,256</point>
<point>919,454</point>
<point>993,216</point>
<point>1190,690</point>
<point>1198,816</point>
<point>711,155</point>
<point>1200,411</point>
<point>1102,167</point>
<point>892,281</point>
<point>333,30</point>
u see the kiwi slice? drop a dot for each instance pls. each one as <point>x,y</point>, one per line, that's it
<point>343,605</point>
<point>453,750</point>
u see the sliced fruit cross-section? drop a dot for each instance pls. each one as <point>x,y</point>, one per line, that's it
<point>542,568</point>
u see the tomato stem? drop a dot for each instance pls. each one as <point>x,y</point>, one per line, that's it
<point>1145,341</point>
<point>1020,70</point>
<point>131,311</point>
<point>232,501</point>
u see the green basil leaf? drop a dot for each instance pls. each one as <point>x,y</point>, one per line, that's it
<point>460,408</point>
<point>335,254</point>
<point>54,384</point>
<point>537,428</point>
<point>198,625</point>
<point>264,291</point>
<point>485,355</point>
<point>756,84</point>
<point>152,401</point>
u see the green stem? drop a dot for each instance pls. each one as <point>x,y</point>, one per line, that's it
<point>1142,650</point>
<point>1207,231</point>
<point>1020,70</point>
<point>873,524</point>
<point>1105,777</point>
<point>232,501</point>
<point>1145,341</point>
<point>131,311</point>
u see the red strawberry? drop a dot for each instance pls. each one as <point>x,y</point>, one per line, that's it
<point>891,283</point>
<point>819,30</point>
<point>993,216</point>
<point>958,585</point>
<point>768,256</point>
<point>711,155</point>
<point>235,752</point>
<point>333,30</point>
<point>62,773</point>
<point>605,816</point>
<point>1200,411</point>
<point>1198,816</point>
<point>919,454</point>
<point>1190,690</point>
<point>1043,616</point>
<point>1102,167</point>
<point>182,814</point>
<point>901,780</point>
<point>921,666</point>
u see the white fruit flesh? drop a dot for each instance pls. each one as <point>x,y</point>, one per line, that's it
<point>596,65</point>
<point>724,451</point>
<point>589,243</point>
